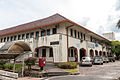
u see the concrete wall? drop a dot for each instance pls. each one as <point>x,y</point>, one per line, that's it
<point>60,50</point>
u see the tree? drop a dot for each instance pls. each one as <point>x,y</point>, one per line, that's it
<point>115,48</point>
<point>30,62</point>
<point>118,24</point>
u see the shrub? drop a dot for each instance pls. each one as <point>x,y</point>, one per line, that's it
<point>30,61</point>
<point>67,65</point>
<point>2,63</point>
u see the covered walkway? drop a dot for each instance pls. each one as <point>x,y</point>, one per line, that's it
<point>15,50</point>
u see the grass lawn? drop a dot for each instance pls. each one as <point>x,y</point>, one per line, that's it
<point>72,70</point>
<point>9,67</point>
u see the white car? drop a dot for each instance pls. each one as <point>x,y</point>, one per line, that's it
<point>97,60</point>
<point>86,61</point>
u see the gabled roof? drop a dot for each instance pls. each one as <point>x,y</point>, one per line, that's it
<point>51,20</point>
<point>35,24</point>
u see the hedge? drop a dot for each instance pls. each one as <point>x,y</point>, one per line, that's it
<point>67,65</point>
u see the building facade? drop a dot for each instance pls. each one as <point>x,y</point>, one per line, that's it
<point>57,39</point>
<point>109,36</point>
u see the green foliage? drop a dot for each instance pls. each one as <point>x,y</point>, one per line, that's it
<point>30,61</point>
<point>115,48</point>
<point>118,24</point>
<point>2,63</point>
<point>67,65</point>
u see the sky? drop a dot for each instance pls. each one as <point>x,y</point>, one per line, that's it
<point>99,16</point>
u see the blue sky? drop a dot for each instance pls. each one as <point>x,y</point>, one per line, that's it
<point>99,16</point>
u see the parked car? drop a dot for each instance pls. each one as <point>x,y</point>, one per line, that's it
<point>86,61</point>
<point>105,59</point>
<point>97,60</point>
<point>111,58</point>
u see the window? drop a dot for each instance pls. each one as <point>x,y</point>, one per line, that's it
<point>14,37</point>
<point>32,35</point>
<point>1,39</point>
<point>75,33</point>
<point>51,52</point>
<point>43,52</point>
<point>37,34</point>
<point>43,33</point>
<point>7,38</point>
<point>54,30</point>
<point>19,37</point>
<point>27,35</point>
<point>71,52</point>
<point>81,36</point>
<point>11,38</point>
<point>4,39</point>
<point>23,36</point>
<point>78,35</point>
<point>71,31</point>
<point>91,38</point>
<point>84,36</point>
<point>48,31</point>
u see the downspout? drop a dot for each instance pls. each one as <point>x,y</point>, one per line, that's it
<point>68,42</point>
<point>67,46</point>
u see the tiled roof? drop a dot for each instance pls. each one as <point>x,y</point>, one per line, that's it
<point>54,19</point>
<point>35,24</point>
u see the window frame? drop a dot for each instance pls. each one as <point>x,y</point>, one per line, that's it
<point>23,36</point>
<point>44,54</point>
<point>32,35</point>
<point>48,31</point>
<point>19,37</point>
<point>43,33</point>
<point>27,36</point>
<point>71,32</point>
<point>75,33</point>
<point>37,34</point>
<point>54,31</point>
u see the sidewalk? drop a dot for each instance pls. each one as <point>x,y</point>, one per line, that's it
<point>29,78</point>
<point>49,70</point>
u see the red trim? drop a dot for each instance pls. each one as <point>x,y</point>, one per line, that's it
<point>92,52</point>
<point>96,52</point>
<point>75,51</point>
<point>84,51</point>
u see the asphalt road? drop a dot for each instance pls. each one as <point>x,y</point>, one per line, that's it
<point>107,71</point>
<point>78,77</point>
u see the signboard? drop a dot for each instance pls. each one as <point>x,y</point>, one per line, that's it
<point>91,45</point>
<point>5,75</point>
<point>54,43</point>
<point>78,45</point>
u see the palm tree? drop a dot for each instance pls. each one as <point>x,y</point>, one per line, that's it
<point>118,24</point>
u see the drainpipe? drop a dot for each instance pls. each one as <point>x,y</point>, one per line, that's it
<point>68,42</point>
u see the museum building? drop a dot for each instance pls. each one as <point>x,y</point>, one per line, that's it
<point>57,39</point>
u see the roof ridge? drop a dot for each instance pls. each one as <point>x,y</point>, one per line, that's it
<point>34,21</point>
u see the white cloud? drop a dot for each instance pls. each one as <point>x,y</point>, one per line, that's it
<point>97,15</point>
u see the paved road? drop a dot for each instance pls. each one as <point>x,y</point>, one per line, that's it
<point>108,71</point>
<point>78,77</point>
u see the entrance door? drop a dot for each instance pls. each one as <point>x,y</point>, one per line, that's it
<point>91,53</point>
<point>82,53</point>
<point>43,52</point>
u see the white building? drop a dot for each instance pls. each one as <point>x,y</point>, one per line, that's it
<point>109,36</point>
<point>57,38</point>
